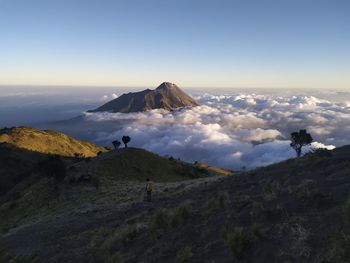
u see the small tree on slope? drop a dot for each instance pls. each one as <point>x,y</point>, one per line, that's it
<point>116,144</point>
<point>300,139</point>
<point>126,140</point>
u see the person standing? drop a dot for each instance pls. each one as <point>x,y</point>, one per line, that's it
<point>149,189</point>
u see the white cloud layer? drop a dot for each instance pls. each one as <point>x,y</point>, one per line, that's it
<point>230,131</point>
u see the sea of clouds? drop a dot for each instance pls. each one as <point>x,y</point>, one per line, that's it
<point>232,130</point>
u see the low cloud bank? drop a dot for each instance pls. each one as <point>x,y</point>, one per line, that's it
<point>231,131</point>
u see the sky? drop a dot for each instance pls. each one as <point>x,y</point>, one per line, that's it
<point>193,43</point>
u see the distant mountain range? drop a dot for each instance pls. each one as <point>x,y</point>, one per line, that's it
<point>167,96</point>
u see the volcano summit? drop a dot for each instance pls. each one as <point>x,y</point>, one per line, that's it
<point>167,96</point>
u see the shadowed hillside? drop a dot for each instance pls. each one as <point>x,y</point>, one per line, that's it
<point>136,165</point>
<point>271,214</point>
<point>35,184</point>
<point>48,142</point>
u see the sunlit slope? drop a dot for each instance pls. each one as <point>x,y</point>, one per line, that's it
<point>48,142</point>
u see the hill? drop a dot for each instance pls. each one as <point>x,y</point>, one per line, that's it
<point>294,211</point>
<point>48,142</point>
<point>134,164</point>
<point>167,96</point>
<point>33,184</point>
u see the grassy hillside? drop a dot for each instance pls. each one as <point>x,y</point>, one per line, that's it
<point>48,142</point>
<point>43,184</point>
<point>136,165</point>
<point>294,211</point>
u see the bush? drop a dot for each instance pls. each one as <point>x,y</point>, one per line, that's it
<point>161,219</point>
<point>116,258</point>
<point>181,214</point>
<point>121,236</point>
<point>166,218</point>
<point>184,255</point>
<point>259,211</point>
<point>224,200</point>
<point>236,240</point>
<point>340,249</point>
<point>221,201</point>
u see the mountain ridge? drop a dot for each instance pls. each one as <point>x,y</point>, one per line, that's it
<point>48,142</point>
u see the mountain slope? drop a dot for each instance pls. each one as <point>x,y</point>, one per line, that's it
<point>134,164</point>
<point>167,96</point>
<point>294,211</point>
<point>33,184</point>
<point>48,142</point>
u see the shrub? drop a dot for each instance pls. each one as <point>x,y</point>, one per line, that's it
<point>121,236</point>
<point>223,200</point>
<point>166,218</point>
<point>161,219</point>
<point>259,211</point>
<point>184,255</point>
<point>236,240</point>
<point>116,258</point>
<point>181,214</point>
<point>127,234</point>
<point>100,236</point>
<point>340,249</point>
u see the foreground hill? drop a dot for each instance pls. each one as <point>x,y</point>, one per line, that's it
<point>134,164</point>
<point>48,142</point>
<point>33,184</point>
<point>167,96</point>
<point>294,211</point>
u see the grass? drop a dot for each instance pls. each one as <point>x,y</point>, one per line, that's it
<point>347,211</point>
<point>221,201</point>
<point>184,255</point>
<point>340,248</point>
<point>164,218</point>
<point>116,258</point>
<point>237,241</point>
<point>120,237</point>
<point>22,258</point>
<point>259,211</point>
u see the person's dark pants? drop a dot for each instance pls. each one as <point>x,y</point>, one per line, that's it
<point>149,196</point>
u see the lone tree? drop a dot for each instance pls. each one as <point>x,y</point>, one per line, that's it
<point>116,144</point>
<point>300,139</point>
<point>126,140</point>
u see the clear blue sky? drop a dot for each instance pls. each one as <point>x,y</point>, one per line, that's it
<point>217,43</point>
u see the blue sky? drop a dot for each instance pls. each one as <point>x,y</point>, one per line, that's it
<point>262,43</point>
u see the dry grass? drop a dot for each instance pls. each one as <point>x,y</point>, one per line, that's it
<point>48,142</point>
<point>214,169</point>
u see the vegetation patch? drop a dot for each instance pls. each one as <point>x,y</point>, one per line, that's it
<point>164,219</point>
<point>184,255</point>
<point>237,241</point>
